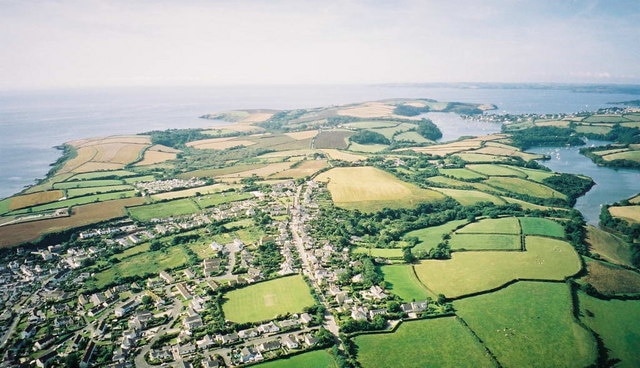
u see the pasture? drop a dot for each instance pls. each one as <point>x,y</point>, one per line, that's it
<point>335,154</point>
<point>523,186</point>
<point>261,170</point>
<point>265,300</point>
<point>390,253</point>
<point>102,197</point>
<point>481,158</point>
<point>176,207</point>
<point>439,342</point>
<point>495,170</point>
<point>370,189</point>
<point>216,199</point>
<point>402,281</point>
<point>87,183</point>
<point>220,143</point>
<point>410,137</point>
<point>430,237</point>
<point>627,155</point>
<point>367,148</point>
<point>110,153</point>
<point>466,272</point>
<point>616,322</point>
<point>485,242</point>
<point>470,197</point>
<point>214,188</point>
<point>530,324</point>
<point>541,226</point>
<point>312,359</point>
<point>462,173</point>
<point>368,110</point>
<point>503,225</point>
<point>78,192</point>
<point>609,246</point>
<point>302,169</point>
<point>103,174</point>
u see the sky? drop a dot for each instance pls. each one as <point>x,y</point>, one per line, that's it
<point>93,43</point>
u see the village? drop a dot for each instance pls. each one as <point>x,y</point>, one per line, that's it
<point>167,319</point>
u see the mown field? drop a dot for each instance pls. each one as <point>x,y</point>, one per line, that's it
<point>370,189</point>
<point>472,242</point>
<point>313,359</point>
<point>440,342</point>
<point>541,226</point>
<point>267,299</point>
<point>616,322</point>
<point>505,225</point>
<point>470,197</point>
<point>467,272</point>
<point>402,281</point>
<point>530,324</point>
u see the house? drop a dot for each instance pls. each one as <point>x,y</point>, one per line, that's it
<point>211,265</point>
<point>186,350</point>
<point>162,354</point>
<point>88,353</point>
<point>268,327</point>
<point>290,341</point>
<point>212,284</point>
<point>359,313</point>
<point>98,299</point>
<point>189,274</point>
<point>182,289</point>
<point>414,307</point>
<point>269,346</point>
<point>210,363</point>
<point>193,322</point>
<point>43,343</point>
<point>205,343</point>
<point>125,308</point>
<point>248,333</point>
<point>166,277</point>
<point>228,338</point>
<point>305,318</point>
<point>288,324</point>
<point>310,340</point>
<point>43,360</point>
<point>249,354</point>
<point>140,320</point>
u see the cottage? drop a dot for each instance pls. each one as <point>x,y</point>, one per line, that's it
<point>290,341</point>
<point>305,318</point>
<point>269,346</point>
<point>268,327</point>
<point>193,322</point>
<point>205,343</point>
<point>248,333</point>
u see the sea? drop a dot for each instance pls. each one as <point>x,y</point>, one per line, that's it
<point>33,123</point>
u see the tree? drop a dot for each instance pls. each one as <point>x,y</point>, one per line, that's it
<point>155,245</point>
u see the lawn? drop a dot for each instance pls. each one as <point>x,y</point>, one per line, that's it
<point>265,300</point>
<point>541,226</point>
<point>530,324</point>
<point>432,236</point>
<point>616,322</point>
<point>485,242</point>
<point>369,189</point>
<point>174,207</point>
<point>440,342</point>
<point>312,359</point>
<point>504,225</point>
<point>402,281</point>
<point>471,272</point>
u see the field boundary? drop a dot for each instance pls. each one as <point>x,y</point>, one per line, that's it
<point>504,286</point>
<point>475,336</point>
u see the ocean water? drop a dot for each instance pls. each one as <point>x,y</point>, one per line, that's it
<point>33,123</point>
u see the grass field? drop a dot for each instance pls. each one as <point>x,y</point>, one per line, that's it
<point>313,359</point>
<point>431,236</point>
<point>103,197</point>
<point>485,242</point>
<point>608,246</point>
<point>367,148</point>
<point>440,342</point>
<point>391,253</point>
<point>103,174</point>
<point>216,199</point>
<point>628,155</point>
<point>611,280</point>
<point>504,225</point>
<point>462,173</point>
<point>262,170</point>
<point>523,186</point>
<point>530,324</point>
<point>481,158</point>
<point>410,137</point>
<point>335,154</point>
<point>174,207</point>
<point>470,197</point>
<point>143,263</point>
<point>79,192</point>
<point>541,226</point>
<point>402,281</point>
<point>28,200</point>
<point>616,322</point>
<point>535,175</point>
<point>88,183</point>
<point>629,213</point>
<point>267,299</point>
<point>303,169</point>
<point>81,215</point>
<point>191,192</point>
<point>466,272</point>
<point>496,170</point>
<point>370,189</point>
<point>528,205</point>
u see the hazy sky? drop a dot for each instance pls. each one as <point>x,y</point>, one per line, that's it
<point>69,43</point>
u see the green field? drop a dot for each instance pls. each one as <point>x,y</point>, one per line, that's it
<point>86,183</point>
<point>628,155</point>
<point>530,324</point>
<point>390,132</point>
<point>461,173</point>
<point>616,322</point>
<point>391,253</point>
<point>138,179</point>
<point>523,186</point>
<point>471,272</point>
<point>440,342</point>
<point>312,359</point>
<point>432,236</point>
<point>402,281</point>
<point>496,170</point>
<point>485,242</point>
<point>104,174</point>
<point>141,263</point>
<point>175,207</point>
<point>480,158</point>
<point>267,299</point>
<point>535,175</point>
<point>211,200</point>
<point>371,124</point>
<point>78,192</point>
<point>504,225</point>
<point>541,226</point>
<point>79,200</point>
<point>470,197</point>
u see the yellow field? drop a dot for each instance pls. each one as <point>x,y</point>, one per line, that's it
<point>635,200</point>
<point>304,169</point>
<point>629,213</point>
<point>370,189</point>
<point>110,153</point>
<point>289,153</point>
<point>368,110</point>
<point>152,157</point>
<point>28,200</point>
<point>471,272</point>
<point>302,135</point>
<point>335,154</point>
<point>220,143</point>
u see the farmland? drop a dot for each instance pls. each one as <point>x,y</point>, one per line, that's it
<point>429,237</point>
<point>267,299</point>
<point>402,281</point>
<point>443,342</point>
<point>174,207</point>
<point>314,359</point>
<point>463,274</point>
<point>611,279</point>
<point>532,314</point>
<point>629,213</point>
<point>370,189</point>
